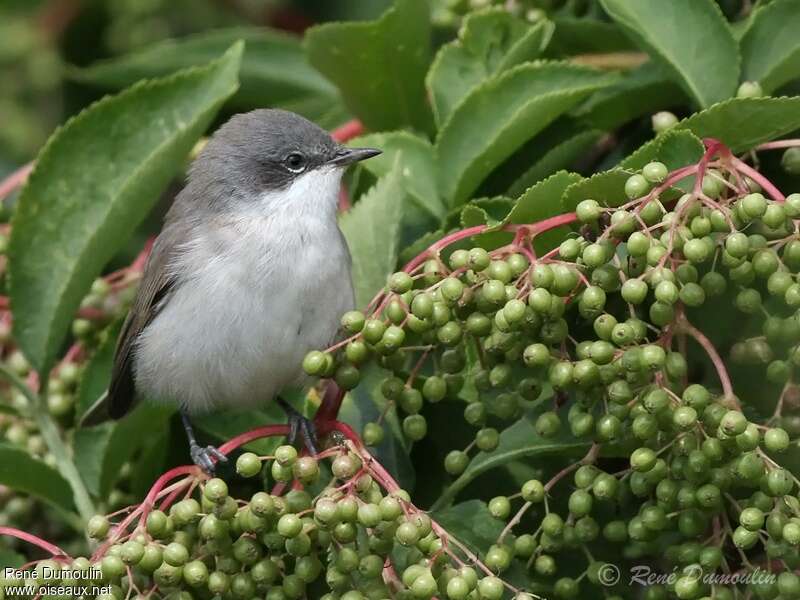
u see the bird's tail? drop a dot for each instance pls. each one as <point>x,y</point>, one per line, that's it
<point>98,412</point>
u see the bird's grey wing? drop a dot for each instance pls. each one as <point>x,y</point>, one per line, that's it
<point>153,293</point>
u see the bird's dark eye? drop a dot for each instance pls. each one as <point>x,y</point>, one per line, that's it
<point>295,162</point>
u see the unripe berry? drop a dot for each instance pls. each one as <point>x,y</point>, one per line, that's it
<point>456,462</point>
<point>415,427</point>
<point>353,321</point>
<point>791,161</point>
<point>373,434</point>
<point>749,89</point>
<point>661,121</point>
<point>499,507</point>
<point>248,465</point>
<point>636,186</point>
<point>345,466</point>
<point>176,555</point>
<point>97,527</point>
<point>655,172</point>
<point>400,282</point>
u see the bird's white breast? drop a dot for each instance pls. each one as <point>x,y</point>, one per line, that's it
<point>255,293</point>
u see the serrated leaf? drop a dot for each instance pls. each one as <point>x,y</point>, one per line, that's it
<point>608,188</point>
<point>491,212</point>
<point>559,155</point>
<point>372,230</point>
<point>94,182</point>
<point>417,167</point>
<point>586,36</point>
<point>274,70</point>
<point>691,38</point>
<point>421,244</point>
<point>501,115</point>
<point>471,523</point>
<point>675,148</point>
<point>101,451</point>
<point>23,473</point>
<point>541,201</point>
<point>742,123</point>
<point>379,66</point>
<point>489,42</point>
<point>770,46</point>
<point>644,90</point>
<point>519,441</point>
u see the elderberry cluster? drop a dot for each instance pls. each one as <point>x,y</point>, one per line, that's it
<point>336,543</point>
<point>607,339</point>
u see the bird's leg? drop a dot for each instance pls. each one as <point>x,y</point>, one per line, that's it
<point>298,424</point>
<point>202,457</point>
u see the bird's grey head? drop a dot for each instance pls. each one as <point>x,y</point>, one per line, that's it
<point>269,150</point>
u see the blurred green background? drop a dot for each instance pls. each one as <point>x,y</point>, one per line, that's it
<point>42,41</point>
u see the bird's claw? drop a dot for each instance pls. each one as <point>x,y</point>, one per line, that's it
<point>204,457</point>
<point>303,428</point>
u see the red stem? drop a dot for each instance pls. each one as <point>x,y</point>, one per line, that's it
<point>331,402</point>
<point>33,539</point>
<point>249,436</point>
<point>16,179</point>
<point>716,359</point>
<point>348,131</point>
<point>765,183</point>
<point>778,144</point>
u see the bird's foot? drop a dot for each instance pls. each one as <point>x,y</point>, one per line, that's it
<point>204,457</point>
<point>300,428</point>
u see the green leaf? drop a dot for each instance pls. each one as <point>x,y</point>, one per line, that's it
<point>372,231</point>
<point>8,558</point>
<point>23,473</point>
<point>691,38</point>
<point>421,244</point>
<point>541,201</point>
<point>97,372</point>
<point>675,148</point>
<point>471,523</point>
<point>742,123</point>
<point>501,115</point>
<point>274,70</point>
<point>489,42</point>
<point>94,182</point>
<point>487,211</point>
<point>557,156</point>
<point>608,188</point>
<point>379,66</point>
<point>101,451</point>
<point>771,46</point>
<point>644,90</point>
<point>586,36</point>
<point>519,441</point>
<point>417,170</point>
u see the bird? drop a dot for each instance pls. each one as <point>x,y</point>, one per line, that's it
<point>249,273</point>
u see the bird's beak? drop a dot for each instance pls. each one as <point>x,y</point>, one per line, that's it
<point>346,156</point>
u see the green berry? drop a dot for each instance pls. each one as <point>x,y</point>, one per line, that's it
<point>248,465</point>
<point>661,121</point>
<point>655,172</point>
<point>749,89</point>
<point>636,186</point>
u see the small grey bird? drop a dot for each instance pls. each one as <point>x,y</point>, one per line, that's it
<point>249,273</point>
